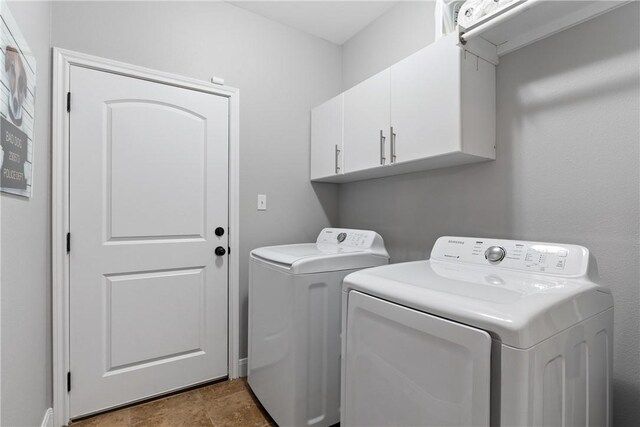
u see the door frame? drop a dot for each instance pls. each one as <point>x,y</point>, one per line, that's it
<point>62,62</point>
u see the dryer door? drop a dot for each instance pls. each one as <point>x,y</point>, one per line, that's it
<point>406,368</point>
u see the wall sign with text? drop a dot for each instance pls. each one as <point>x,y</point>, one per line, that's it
<point>17,107</point>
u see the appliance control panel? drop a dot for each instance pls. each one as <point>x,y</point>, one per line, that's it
<point>535,257</point>
<point>363,239</point>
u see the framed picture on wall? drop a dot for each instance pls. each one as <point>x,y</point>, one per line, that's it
<point>17,107</point>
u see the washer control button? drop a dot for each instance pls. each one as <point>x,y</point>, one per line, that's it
<point>495,254</point>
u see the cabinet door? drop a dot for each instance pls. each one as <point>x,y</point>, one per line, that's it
<point>425,102</point>
<point>326,139</point>
<point>366,114</point>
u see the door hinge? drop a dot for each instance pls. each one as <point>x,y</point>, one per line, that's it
<point>228,250</point>
<point>68,242</point>
<point>68,102</point>
<point>68,381</point>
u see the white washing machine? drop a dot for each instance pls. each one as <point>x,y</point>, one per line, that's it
<point>487,332</point>
<point>294,323</point>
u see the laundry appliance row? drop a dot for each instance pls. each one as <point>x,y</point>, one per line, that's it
<point>485,332</point>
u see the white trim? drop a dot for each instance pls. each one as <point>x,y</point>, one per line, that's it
<point>234,235</point>
<point>47,421</point>
<point>62,61</point>
<point>242,365</point>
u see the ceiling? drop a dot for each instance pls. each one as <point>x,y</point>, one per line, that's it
<point>335,21</point>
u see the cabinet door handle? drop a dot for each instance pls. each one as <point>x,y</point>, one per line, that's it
<point>393,145</point>
<point>383,159</point>
<point>337,153</point>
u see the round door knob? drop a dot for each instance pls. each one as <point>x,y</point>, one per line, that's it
<point>219,231</point>
<point>495,254</point>
<point>220,251</point>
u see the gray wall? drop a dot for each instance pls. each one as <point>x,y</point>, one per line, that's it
<point>26,278</point>
<point>404,29</point>
<point>281,73</point>
<point>567,170</point>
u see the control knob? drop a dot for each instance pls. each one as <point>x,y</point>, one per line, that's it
<point>495,254</point>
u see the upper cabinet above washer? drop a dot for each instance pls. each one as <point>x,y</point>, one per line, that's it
<point>433,109</point>
<point>366,123</point>
<point>326,134</point>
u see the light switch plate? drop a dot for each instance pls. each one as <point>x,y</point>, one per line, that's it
<point>262,202</point>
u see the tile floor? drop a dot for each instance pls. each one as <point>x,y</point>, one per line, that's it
<point>224,404</point>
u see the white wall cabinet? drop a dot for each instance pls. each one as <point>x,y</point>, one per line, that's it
<point>326,139</point>
<point>435,108</point>
<point>442,104</point>
<point>366,123</point>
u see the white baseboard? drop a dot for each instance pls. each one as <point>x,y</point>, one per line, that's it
<point>242,367</point>
<point>47,421</point>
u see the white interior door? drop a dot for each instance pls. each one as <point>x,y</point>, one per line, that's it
<point>407,368</point>
<point>148,187</point>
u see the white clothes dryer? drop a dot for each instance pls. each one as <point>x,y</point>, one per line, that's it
<point>294,323</point>
<point>486,332</point>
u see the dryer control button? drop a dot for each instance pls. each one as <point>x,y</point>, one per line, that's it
<point>495,254</point>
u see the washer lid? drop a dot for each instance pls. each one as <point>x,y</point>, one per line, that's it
<point>335,250</point>
<point>518,307</point>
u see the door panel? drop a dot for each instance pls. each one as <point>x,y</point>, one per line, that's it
<point>139,207</point>
<point>407,368</point>
<point>148,187</point>
<point>172,325</point>
<point>366,114</point>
